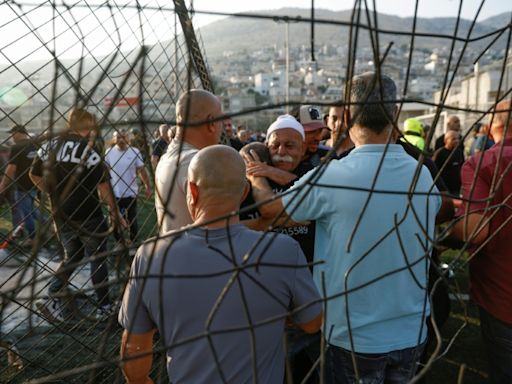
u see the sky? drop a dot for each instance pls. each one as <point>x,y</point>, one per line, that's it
<point>103,34</point>
<point>404,8</point>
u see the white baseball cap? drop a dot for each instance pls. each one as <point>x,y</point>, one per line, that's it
<point>286,121</point>
<point>311,118</point>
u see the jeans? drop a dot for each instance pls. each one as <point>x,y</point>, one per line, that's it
<point>497,337</point>
<point>78,244</point>
<point>128,208</point>
<point>23,211</point>
<point>392,367</point>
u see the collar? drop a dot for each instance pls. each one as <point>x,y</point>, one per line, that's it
<point>378,148</point>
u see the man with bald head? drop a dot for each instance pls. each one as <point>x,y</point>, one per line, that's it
<point>449,160</point>
<point>160,145</point>
<point>453,124</point>
<point>485,223</point>
<point>220,321</point>
<point>198,126</point>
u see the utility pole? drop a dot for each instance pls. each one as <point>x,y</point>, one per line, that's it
<point>287,74</point>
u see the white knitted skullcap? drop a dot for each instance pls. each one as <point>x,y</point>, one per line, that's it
<point>286,121</point>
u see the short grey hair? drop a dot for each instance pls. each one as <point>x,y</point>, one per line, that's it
<point>371,106</point>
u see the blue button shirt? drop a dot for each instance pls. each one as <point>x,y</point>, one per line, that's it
<point>380,261</point>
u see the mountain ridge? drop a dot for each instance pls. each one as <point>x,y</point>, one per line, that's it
<point>238,33</point>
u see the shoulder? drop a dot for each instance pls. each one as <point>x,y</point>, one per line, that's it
<point>272,246</point>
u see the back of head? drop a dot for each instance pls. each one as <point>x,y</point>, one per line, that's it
<point>453,123</point>
<point>260,149</point>
<point>503,115</point>
<point>81,121</point>
<point>162,129</point>
<point>219,173</point>
<point>413,126</point>
<point>196,106</point>
<point>372,101</point>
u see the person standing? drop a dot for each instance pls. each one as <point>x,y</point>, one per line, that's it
<point>125,163</point>
<point>453,124</point>
<point>16,176</point>
<point>414,133</point>
<point>485,222</point>
<point>77,180</point>
<point>339,133</point>
<point>369,245</point>
<point>449,161</point>
<point>160,145</point>
<point>197,128</point>
<point>243,340</point>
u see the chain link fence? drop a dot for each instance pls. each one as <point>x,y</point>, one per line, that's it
<point>128,63</point>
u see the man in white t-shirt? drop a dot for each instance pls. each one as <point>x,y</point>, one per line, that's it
<point>125,164</point>
<point>198,126</point>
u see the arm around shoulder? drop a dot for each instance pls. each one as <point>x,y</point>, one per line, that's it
<point>312,326</point>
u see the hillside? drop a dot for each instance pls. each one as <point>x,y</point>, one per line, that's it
<point>245,33</point>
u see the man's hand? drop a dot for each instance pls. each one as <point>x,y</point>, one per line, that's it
<point>257,168</point>
<point>117,217</point>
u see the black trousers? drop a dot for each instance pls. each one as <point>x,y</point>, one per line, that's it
<point>128,208</point>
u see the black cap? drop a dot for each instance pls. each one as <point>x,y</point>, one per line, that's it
<point>18,129</point>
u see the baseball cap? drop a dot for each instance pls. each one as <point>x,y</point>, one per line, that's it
<point>285,121</point>
<point>18,129</point>
<point>311,118</point>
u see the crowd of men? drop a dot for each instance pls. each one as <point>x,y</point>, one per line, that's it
<point>343,286</point>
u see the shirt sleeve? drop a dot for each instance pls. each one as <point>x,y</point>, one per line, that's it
<point>481,190</point>
<point>13,154</point>
<point>133,314</point>
<point>304,200</point>
<point>37,165</point>
<point>306,301</point>
<point>139,163</point>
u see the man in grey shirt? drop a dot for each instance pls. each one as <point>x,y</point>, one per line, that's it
<point>197,127</point>
<point>218,294</point>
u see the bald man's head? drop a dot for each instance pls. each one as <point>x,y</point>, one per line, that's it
<point>453,123</point>
<point>196,106</point>
<point>500,119</point>
<point>451,139</point>
<point>219,173</point>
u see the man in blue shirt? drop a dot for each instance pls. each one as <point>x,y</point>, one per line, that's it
<point>375,213</point>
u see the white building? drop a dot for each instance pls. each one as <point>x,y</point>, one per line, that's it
<point>479,90</point>
<point>265,82</point>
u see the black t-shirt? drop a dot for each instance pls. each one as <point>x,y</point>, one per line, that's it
<point>77,173</point>
<point>21,155</point>
<point>312,161</point>
<point>451,172</point>
<point>304,234</point>
<point>159,147</point>
<point>439,142</point>
<point>236,143</point>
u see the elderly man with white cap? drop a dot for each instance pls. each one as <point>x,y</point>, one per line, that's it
<point>285,142</point>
